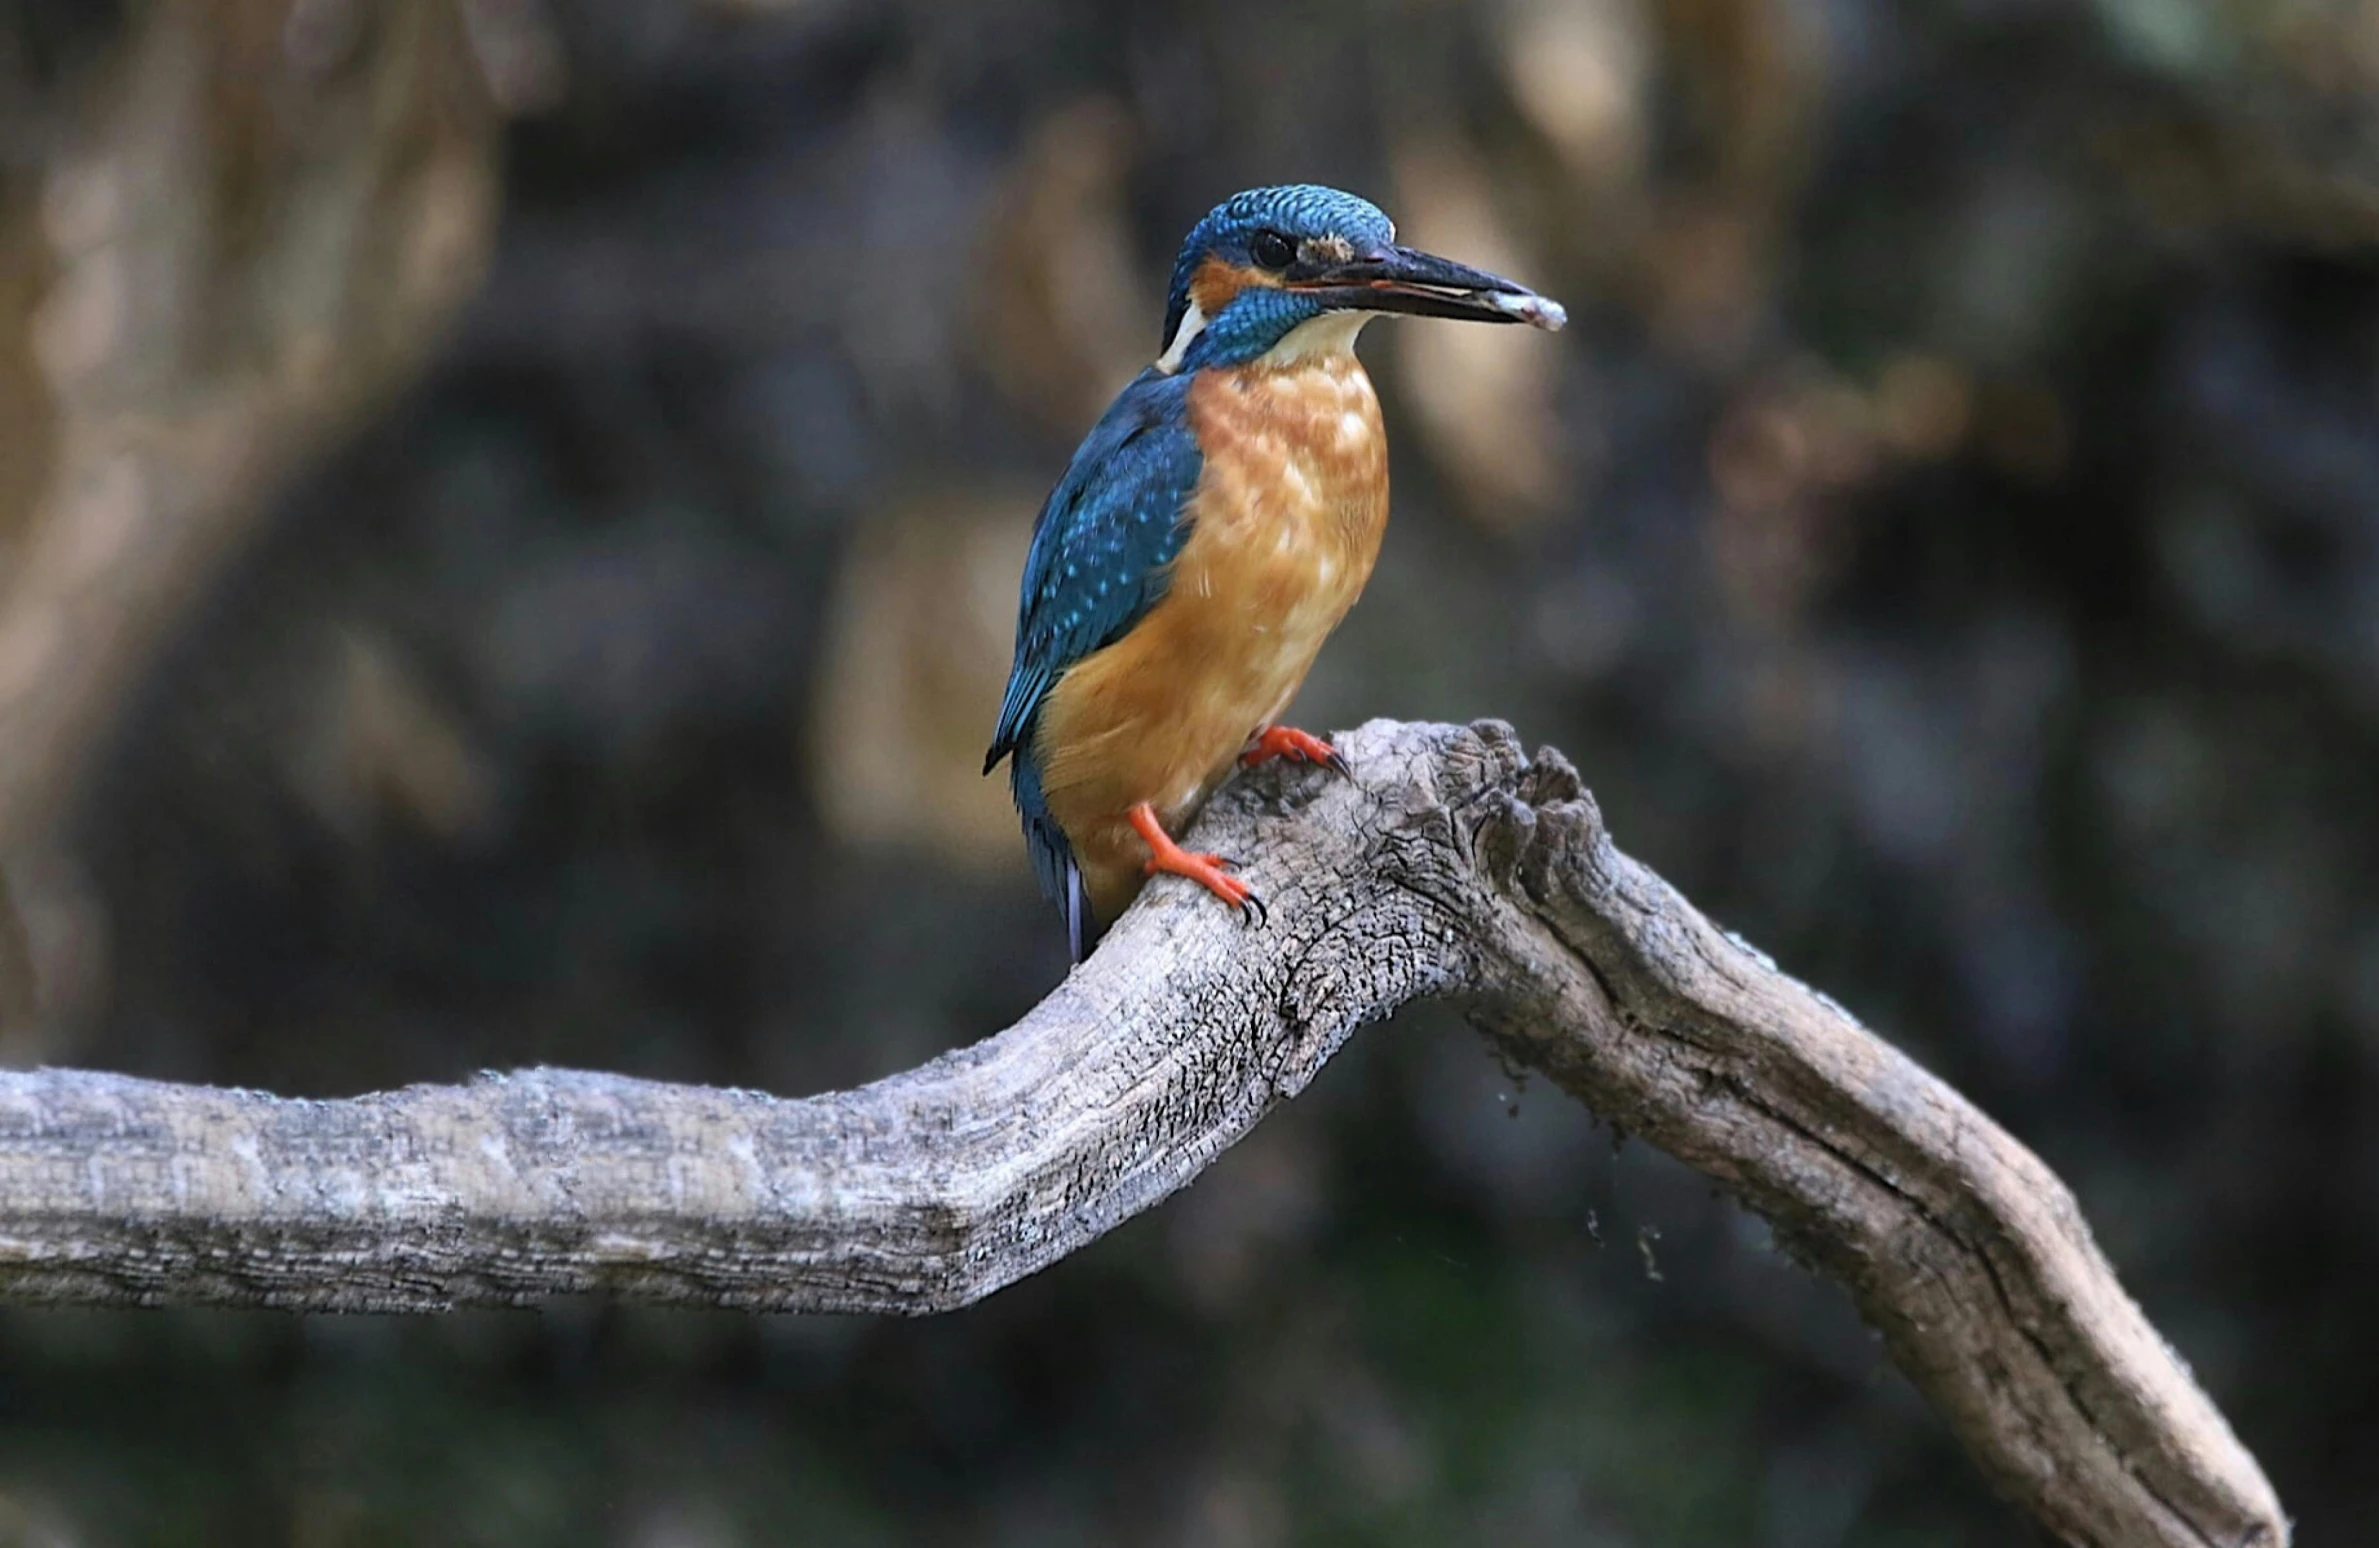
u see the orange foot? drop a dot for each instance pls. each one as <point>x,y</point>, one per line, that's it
<point>1288,742</point>
<point>1209,871</point>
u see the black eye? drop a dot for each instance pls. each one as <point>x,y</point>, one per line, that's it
<point>1271,250</point>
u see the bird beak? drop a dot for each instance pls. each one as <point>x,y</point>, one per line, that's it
<point>1398,279</point>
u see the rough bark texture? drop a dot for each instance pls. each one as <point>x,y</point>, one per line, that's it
<point>1451,865</point>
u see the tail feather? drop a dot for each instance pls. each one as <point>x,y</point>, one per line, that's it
<point>1052,856</point>
<point>1078,925</point>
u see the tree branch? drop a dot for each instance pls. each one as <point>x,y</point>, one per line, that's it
<point>1451,866</point>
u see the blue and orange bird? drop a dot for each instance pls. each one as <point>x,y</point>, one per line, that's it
<point>1211,531</point>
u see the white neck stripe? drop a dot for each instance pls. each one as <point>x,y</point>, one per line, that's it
<point>1193,323</point>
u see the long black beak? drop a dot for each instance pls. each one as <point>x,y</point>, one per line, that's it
<point>1398,279</point>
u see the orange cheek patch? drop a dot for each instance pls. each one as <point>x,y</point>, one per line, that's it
<point>1216,282</point>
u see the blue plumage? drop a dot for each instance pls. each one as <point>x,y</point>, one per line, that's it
<point>1259,267</point>
<point>1296,211</point>
<point>1098,563</point>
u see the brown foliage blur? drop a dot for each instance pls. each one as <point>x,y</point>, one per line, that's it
<point>508,520</point>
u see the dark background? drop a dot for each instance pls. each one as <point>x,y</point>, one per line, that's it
<point>1947,540</point>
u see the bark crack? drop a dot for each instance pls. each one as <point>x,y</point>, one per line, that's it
<point>1450,866</point>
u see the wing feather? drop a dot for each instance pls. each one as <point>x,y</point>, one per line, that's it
<point>1102,548</point>
<point>1101,556</point>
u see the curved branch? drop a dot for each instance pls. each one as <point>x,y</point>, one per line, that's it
<point>1451,866</point>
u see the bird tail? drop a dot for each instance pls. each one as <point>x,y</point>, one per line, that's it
<point>1053,857</point>
<point>1077,907</point>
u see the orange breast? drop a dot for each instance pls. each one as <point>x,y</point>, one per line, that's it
<point>1288,515</point>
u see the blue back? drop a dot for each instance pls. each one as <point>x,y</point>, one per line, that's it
<point>1099,561</point>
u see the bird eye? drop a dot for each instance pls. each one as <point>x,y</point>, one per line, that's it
<point>1271,250</point>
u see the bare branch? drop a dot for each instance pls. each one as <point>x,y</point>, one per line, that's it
<point>1451,866</point>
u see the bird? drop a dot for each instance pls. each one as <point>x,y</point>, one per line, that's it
<point>1212,529</point>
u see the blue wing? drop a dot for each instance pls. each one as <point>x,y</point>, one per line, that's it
<point>1099,562</point>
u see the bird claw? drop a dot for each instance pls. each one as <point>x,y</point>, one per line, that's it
<point>1212,872</point>
<point>1298,746</point>
<point>1187,862</point>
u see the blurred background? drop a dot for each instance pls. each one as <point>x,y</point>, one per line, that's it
<point>509,512</point>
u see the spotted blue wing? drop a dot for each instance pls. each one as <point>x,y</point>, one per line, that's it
<point>1100,559</point>
<point>1101,547</point>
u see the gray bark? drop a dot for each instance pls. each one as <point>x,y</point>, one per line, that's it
<point>1451,865</point>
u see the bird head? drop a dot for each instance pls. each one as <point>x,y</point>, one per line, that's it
<point>1265,263</point>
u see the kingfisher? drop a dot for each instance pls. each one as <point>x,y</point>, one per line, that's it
<point>1209,534</point>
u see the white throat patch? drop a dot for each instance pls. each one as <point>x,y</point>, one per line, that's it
<point>1332,333</point>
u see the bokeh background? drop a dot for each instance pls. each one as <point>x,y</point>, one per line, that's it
<point>508,524</point>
